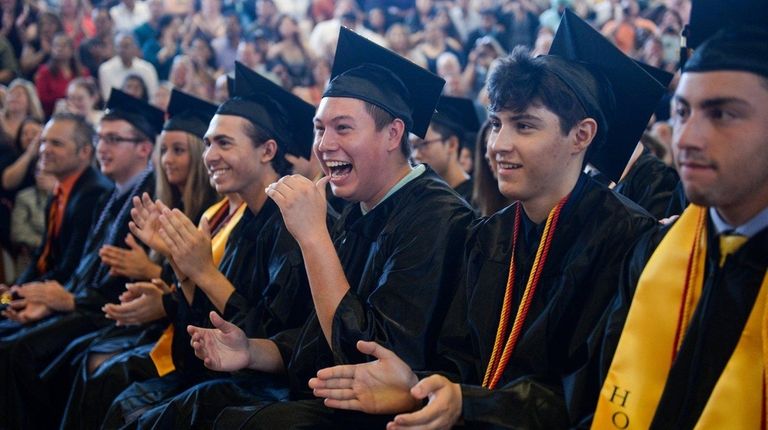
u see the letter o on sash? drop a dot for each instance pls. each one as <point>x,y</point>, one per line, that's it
<point>620,420</point>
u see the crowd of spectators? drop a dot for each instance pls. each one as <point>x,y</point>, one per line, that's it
<point>66,55</point>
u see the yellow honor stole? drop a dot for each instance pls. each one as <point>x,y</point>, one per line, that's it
<point>161,353</point>
<point>667,295</point>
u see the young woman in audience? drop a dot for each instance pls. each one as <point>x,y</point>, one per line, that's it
<point>290,52</point>
<point>82,98</point>
<point>53,77</point>
<point>181,182</point>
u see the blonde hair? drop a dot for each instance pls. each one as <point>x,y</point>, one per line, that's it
<point>197,194</point>
<point>35,109</point>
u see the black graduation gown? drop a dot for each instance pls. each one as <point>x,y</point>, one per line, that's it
<point>26,352</point>
<point>550,380</point>
<point>402,260</point>
<point>264,264</point>
<point>727,298</point>
<point>465,190</point>
<point>650,183</point>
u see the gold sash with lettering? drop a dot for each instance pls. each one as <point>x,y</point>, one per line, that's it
<point>653,332</point>
<point>161,353</point>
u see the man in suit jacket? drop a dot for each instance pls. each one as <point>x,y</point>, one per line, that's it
<point>66,152</point>
<point>51,315</point>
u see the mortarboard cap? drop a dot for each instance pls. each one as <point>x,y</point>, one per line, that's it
<point>140,114</point>
<point>189,114</point>
<point>710,16</point>
<point>628,96</point>
<point>230,86</point>
<point>267,105</point>
<point>458,114</point>
<point>728,36</point>
<point>662,76</point>
<point>366,71</point>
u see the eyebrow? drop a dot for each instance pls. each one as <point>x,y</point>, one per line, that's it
<point>334,119</point>
<point>217,137</point>
<point>714,102</point>
<point>521,117</point>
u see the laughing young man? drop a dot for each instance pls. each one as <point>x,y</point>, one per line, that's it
<point>390,265</point>
<point>523,332</point>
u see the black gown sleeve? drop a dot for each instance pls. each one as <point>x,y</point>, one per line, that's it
<point>423,260</point>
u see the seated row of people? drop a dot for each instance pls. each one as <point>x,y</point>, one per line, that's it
<point>510,321</point>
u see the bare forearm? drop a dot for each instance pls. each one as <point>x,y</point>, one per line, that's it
<point>216,286</point>
<point>326,279</point>
<point>13,175</point>
<point>265,356</point>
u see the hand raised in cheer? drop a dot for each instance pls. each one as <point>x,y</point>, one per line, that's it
<point>302,204</point>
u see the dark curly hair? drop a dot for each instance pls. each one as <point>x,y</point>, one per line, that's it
<point>518,81</point>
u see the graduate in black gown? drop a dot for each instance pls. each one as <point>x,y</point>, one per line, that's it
<point>390,265</point>
<point>650,183</point>
<point>522,335</point>
<point>139,323</point>
<point>698,288</point>
<point>454,123</point>
<point>260,284</point>
<point>53,314</point>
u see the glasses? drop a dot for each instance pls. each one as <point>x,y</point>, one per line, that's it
<point>113,139</point>
<point>421,144</point>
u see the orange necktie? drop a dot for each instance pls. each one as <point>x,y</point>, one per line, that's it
<point>53,230</point>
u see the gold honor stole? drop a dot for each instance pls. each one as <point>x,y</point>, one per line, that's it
<point>161,353</point>
<point>657,321</point>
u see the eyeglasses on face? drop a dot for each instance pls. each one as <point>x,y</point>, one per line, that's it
<point>418,144</point>
<point>113,139</point>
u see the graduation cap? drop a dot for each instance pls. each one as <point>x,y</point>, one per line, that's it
<point>728,36</point>
<point>458,114</point>
<point>662,76</point>
<point>189,114</point>
<point>140,114</point>
<point>628,94</point>
<point>366,71</point>
<point>267,105</point>
<point>230,86</point>
<point>710,16</point>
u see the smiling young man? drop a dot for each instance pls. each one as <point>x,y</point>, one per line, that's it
<point>698,288</point>
<point>55,314</point>
<point>390,265</point>
<point>522,332</point>
<point>255,279</point>
<point>452,125</point>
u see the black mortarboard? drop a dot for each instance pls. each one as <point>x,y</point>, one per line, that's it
<point>458,114</point>
<point>267,105</point>
<point>710,16</point>
<point>628,96</point>
<point>366,71</point>
<point>728,36</point>
<point>230,86</point>
<point>189,114</point>
<point>662,76</point>
<point>140,114</point>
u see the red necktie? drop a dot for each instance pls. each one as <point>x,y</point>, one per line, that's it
<point>53,230</point>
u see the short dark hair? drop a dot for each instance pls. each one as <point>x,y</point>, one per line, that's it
<point>135,131</point>
<point>258,136</point>
<point>381,119</point>
<point>518,81</point>
<point>83,133</point>
<point>446,132</point>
